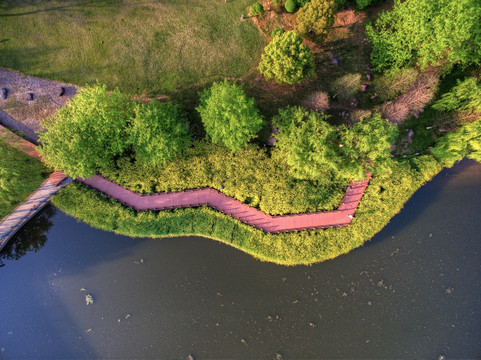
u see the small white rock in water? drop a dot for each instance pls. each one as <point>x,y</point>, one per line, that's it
<point>190,357</point>
<point>89,299</point>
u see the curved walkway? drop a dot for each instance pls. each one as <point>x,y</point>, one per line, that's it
<point>213,198</point>
<point>243,212</point>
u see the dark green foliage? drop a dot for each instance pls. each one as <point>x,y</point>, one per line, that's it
<point>290,6</point>
<point>425,32</point>
<point>317,16</point>
<point>277,31</point>
<point>384,197</point>
<point>465,97</point>
<point>286,60</point>
<point>256,9</point>
<point>301,3</point>
<point>249,175</point>
<point>228,115</point>
<point>361,4</point>
<point>158,132</point>
<point>313,147</point>
<point>84,136</point>
<point>20,175</point>
<point>341,4</point>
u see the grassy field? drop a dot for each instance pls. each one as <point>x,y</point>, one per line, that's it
<point>140,46</point>
<point>20,175</point>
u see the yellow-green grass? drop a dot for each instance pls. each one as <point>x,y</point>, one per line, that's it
<point>20,175</point>
<point>141,47</point>
<point>384,197</point>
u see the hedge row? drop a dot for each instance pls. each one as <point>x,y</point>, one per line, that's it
<point>384,197</point>
<point>250,175</point>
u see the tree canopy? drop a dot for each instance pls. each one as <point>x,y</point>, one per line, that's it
<point>85,135</point>
<point>286,60</point>
<point>426,32</point>
<point>228,115</point>
<point>313,147</point>
<point>316,16</point>
<point>158,132</point>
<point>465,96</point>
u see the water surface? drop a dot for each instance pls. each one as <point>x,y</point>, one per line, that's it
<point>413,291</point>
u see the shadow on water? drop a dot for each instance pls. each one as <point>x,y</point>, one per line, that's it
<point>31,237</point>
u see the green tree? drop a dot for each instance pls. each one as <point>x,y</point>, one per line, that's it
<point>158,132</point>
<point>316,16</point>
<point>286,60</point>
<point>256,9</point>
<point>228,115</point>
<point>465,96</point>
<point>426,32</point>
<point>465,142</point>
<point>290,6</point>
<point>313,147</point>
<point>84,136</point>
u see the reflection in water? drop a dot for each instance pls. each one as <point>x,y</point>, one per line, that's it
<point>31,237</point>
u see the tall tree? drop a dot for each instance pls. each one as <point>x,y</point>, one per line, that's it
<point>312,146</point>
<point>426,32</point>
<point>158,132</point>
<point>228,115</point>
<point>85,135</point>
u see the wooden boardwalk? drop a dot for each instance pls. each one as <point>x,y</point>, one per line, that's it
<point>187,198</point>
<point>243,212</point>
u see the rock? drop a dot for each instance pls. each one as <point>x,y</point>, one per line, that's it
<point>364,87</point>
<point>369,76</point>
<point>271,141</point>
<point>62,91</point>
<point>335,61</point>
<point>4,93</point>
<point>353,102</point>
<point>29,96</point>
<point>275,130</point>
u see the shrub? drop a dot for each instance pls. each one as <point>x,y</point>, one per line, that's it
<point>341,4</point>
<point>286,60</point>
<point>394,83</point>
<point>346,86</point>
<point>318,101</point>
<point>228,115</point>
<point>415,99</point>
<point>301,3</point>
<point>158,132</point>
<point>256,9</point>
<point>316,16</point>
<point>84,136</point>
<point>290,6</point>
<point>277,31</point>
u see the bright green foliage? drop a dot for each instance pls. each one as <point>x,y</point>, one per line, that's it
<point>158,133</point>
<point>256,9</point>
<point>250,175</point>
<point>228,115</point>
<point>286,60</point>
<point>290,6</point>
<point>313,147</point>
<point>465,142</point>
<point>465,96</point>
<point>20,175</point>
<point>427,32</point>
<point>384,197</point>
<point>84,136</point>
<point>316,16</point>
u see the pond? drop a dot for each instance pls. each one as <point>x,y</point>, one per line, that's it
<point>413,291</point>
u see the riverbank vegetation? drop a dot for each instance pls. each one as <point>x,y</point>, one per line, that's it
<point>288,137</point>
<point>20,175</point>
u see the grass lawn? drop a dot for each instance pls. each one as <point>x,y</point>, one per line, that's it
<point>141,47</point>
<point>20,175</point>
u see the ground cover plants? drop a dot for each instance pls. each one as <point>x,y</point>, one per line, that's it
<point>388,126</point>
<point>20,175</point>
